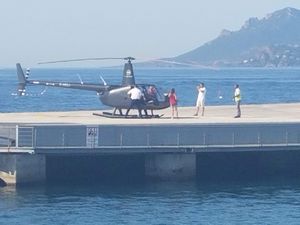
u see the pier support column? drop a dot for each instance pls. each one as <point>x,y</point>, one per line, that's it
<point>170,166</point>
<point>22,168</point>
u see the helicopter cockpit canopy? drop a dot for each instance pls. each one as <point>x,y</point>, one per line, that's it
<point>151,92</point>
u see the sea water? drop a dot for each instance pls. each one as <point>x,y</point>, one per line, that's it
<point>227,202</point>
<point>153,203</point>
<point>257,85</point>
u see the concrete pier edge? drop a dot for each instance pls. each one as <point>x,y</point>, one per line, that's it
<point>22,168</point>
<point>172,149</point>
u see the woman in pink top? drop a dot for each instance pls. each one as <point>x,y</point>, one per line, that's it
<point>173,102</point>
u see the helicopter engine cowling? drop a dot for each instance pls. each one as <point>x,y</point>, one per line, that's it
<point>117,97</point>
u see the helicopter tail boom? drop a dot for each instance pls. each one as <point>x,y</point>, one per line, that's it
<point>23,81</point>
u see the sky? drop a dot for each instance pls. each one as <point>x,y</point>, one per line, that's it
<point>33,31</point>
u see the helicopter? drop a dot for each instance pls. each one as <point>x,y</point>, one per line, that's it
<point>115,96</point>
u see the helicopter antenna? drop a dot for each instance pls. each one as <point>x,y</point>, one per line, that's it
<point>81,82</point>
<point>104,82</point>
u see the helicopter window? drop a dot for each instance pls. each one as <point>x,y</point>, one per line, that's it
<point>160,94</point>
<point>152,93</point>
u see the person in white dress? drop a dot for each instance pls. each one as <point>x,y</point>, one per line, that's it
<point>237,98</point>
<point>201,99</point>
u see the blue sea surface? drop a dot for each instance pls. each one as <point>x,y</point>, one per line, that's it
<point>153,203</point>
<point>257,86</point>
<point>239,202</point>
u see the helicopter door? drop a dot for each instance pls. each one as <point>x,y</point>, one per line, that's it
<point>161,95</point>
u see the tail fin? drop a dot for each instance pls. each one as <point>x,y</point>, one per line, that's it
<point>128,75</point>
<point>20,72</point>
<point>21,79</point>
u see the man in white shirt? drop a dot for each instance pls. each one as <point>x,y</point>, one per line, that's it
<point>237,98</point>
<point>201,99</point>
<point>136,97</point>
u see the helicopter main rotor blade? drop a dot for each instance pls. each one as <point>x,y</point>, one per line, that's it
<point>197,65</point>
<point>86,59</point>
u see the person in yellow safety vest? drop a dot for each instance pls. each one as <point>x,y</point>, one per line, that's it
<point>237,98</point>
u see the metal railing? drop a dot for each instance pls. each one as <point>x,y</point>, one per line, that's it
<point>7,138</point>
<point>164,138</point>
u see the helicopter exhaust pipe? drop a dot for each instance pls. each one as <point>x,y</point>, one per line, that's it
<point>22,80</point>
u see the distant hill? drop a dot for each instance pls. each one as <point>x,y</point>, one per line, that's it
<point>271,41</point>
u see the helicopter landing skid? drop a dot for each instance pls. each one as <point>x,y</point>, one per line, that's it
<point>111,115</point>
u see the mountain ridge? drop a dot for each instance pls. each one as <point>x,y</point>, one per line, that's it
<point>273,40</point>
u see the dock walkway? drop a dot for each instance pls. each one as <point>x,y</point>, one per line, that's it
<point>261,127</point>
<point>265,113</point>
<point>266,138</point>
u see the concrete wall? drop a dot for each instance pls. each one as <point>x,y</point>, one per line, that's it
<point>163,152</point>
<point>127,168</point>
<point>136,168</point>
<point>255,165</point>
<point>171,166</point>
<point>8,168</point>
<point>22,168</point>
<point>120,167</point>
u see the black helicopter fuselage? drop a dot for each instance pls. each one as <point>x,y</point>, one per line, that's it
<point>118,97</point>
<point>111,95</point>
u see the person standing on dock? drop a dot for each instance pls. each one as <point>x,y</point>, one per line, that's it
<point>201,99</point>
<point>173,102</point>
<point>237,99</point>
<point>136,96</point>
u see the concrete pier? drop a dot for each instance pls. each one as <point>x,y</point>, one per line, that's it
<point>266,113</point>
<point>31,144</point>
<point>22,168</point>
<point>170,166</point>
